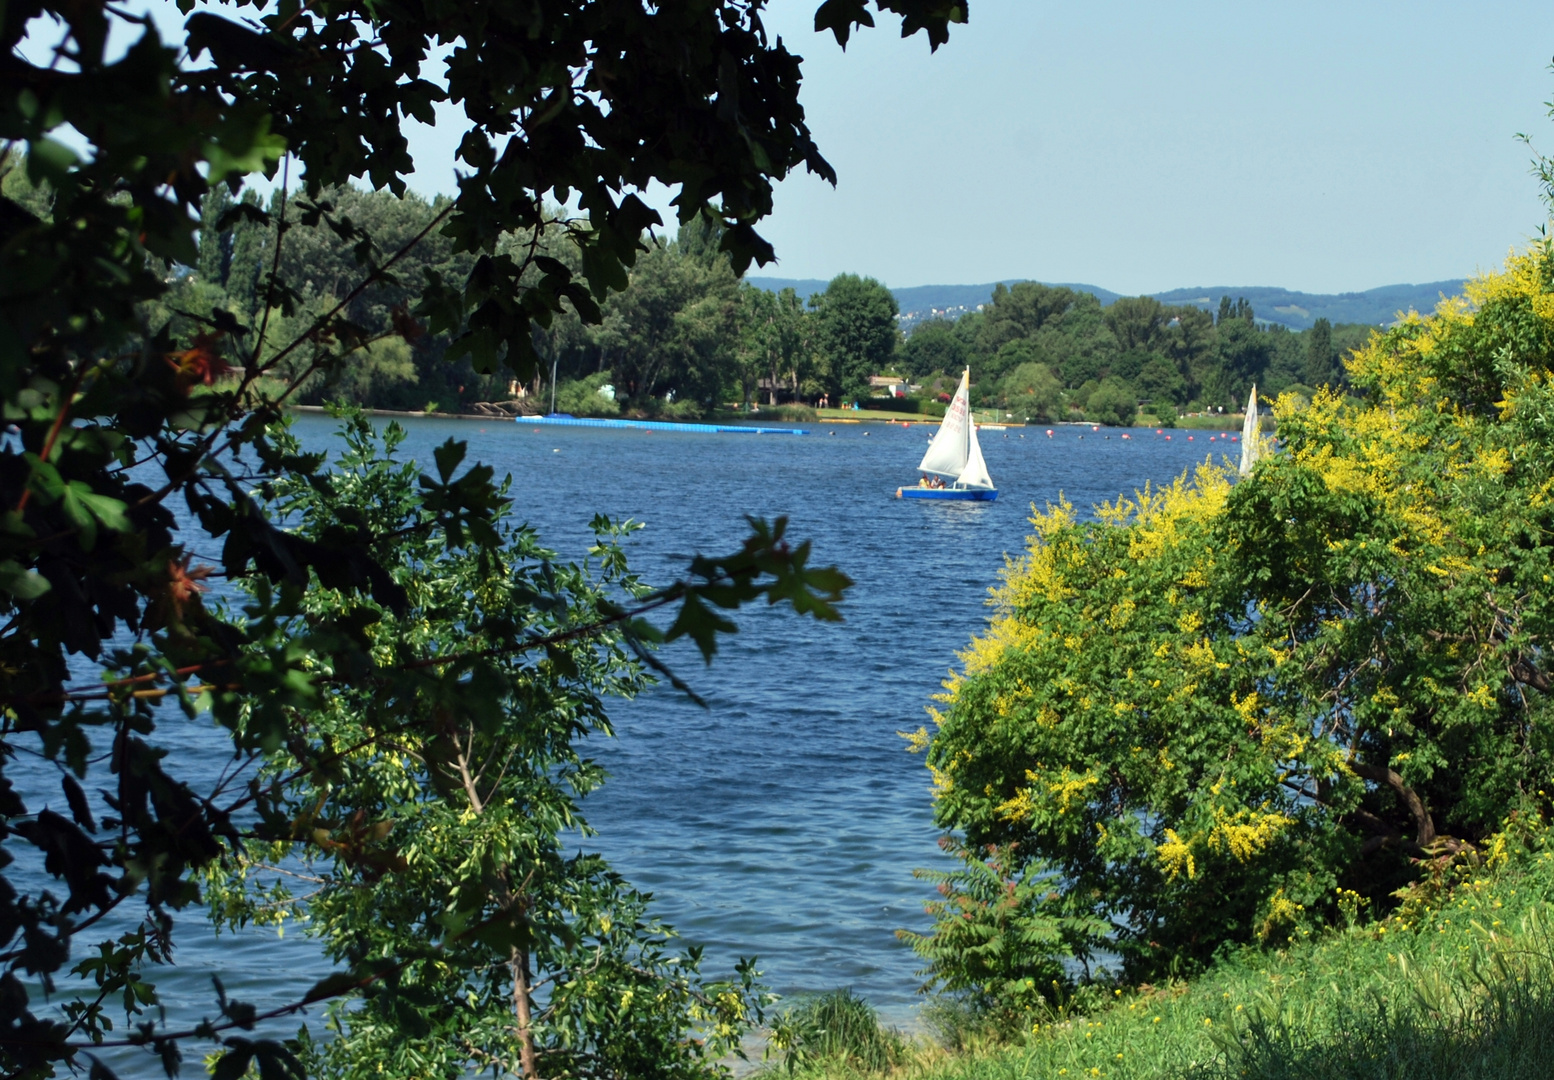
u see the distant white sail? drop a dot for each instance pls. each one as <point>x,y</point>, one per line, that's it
<point>975,472</point>
<point>1250,429</point>
<point>947,453</point>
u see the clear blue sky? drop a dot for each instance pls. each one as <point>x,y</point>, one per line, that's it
<point>1145,146</point>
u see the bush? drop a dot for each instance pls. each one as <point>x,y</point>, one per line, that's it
<point>1163,412</point>
<point>1208,708</point>
<point>835,1029</point>
<point>999,933</point>
<point>1113,403</point>
<point>1032,391</point>
<point>682,410</point>
<point>901,405</point>
<point>659,409</point>
<point>583,397</point>
<point>793,414</point>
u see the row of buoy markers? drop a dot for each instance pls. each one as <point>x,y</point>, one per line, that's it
<point>1158,431</point>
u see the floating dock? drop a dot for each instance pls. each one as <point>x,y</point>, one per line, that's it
<point>658,425</point>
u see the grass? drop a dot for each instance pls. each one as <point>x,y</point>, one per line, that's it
<point>835,1032</point>
<point>1206,422</point>
<point>982,416</point>
<point>1461,988</point>
<point>874,414</point>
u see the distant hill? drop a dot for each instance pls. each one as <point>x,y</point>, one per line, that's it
<point>1297,310</point>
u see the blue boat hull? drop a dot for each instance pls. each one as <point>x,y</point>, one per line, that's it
<point>952,494</point>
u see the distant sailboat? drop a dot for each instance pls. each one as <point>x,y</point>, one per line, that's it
<point>955,453</point>
<point>1251,428</point>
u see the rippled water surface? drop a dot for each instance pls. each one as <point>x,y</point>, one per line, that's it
<point>785,819</point>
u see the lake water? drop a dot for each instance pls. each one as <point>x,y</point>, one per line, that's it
<point>786,818</point>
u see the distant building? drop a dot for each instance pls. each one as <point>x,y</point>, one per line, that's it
<point>893,385</point>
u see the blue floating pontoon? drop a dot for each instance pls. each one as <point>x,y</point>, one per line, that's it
<point>659,425</point>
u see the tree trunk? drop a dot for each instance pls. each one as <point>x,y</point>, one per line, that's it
<point>1424,825</point>
<point>521,1008</point>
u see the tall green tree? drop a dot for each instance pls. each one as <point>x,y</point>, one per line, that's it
<point>215,244</point>
<point>855,323</point>
<point>933,346</point>
<point>1033,391</point>
<point>1018,311</point>
<point>1138,323</point>
<point>773,337</point>
<point>672,330</point>
<point>1322,366</point>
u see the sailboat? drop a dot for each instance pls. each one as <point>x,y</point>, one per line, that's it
<point>954,453</point>
<point>1251,428</point>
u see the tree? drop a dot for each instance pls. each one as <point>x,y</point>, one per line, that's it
<point>673,328</point>
<point>933,346</point>
<point>1113,402</point>
<point>1244,354</point>
<point>1215,710</point>
<point>215,245</point>
<point>1322,366</point>
<point>855,323</point>
<point>118,419</point>
<point>1032,390</point>
<point>1138,322</point>
<point>1078,345</point>
<point>1018,311</point>
<point>772,339</point>
<point>493,791</point>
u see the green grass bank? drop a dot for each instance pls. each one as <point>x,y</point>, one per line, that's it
<point>1457,983</point>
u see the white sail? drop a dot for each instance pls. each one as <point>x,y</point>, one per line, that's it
<point>1250,428</point>
<point>975,472</point>
<point>950,447</point>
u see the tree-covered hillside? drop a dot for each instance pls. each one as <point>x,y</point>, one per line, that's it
<point>1380,306</point>
<point>1097,360</point>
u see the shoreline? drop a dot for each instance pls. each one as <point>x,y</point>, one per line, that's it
<point>1228,422</point>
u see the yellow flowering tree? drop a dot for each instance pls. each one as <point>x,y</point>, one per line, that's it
<point>1203,713</point>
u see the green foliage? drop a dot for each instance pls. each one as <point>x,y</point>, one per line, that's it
<point>1113,403</point>
<point>1206,710</point>
<point>775,342</point>
<point>673,329</point>
<point>1001,931</point>
<point>140,374</point>
<point>463,773</point>
<point>1033,391</point>
<point>583,397</point>
<point>856,330</point>
<point>838,1030</point>
<point>933,346</point>
<point>1170,355</point>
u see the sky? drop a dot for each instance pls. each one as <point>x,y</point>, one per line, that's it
<point>1324,147</point>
